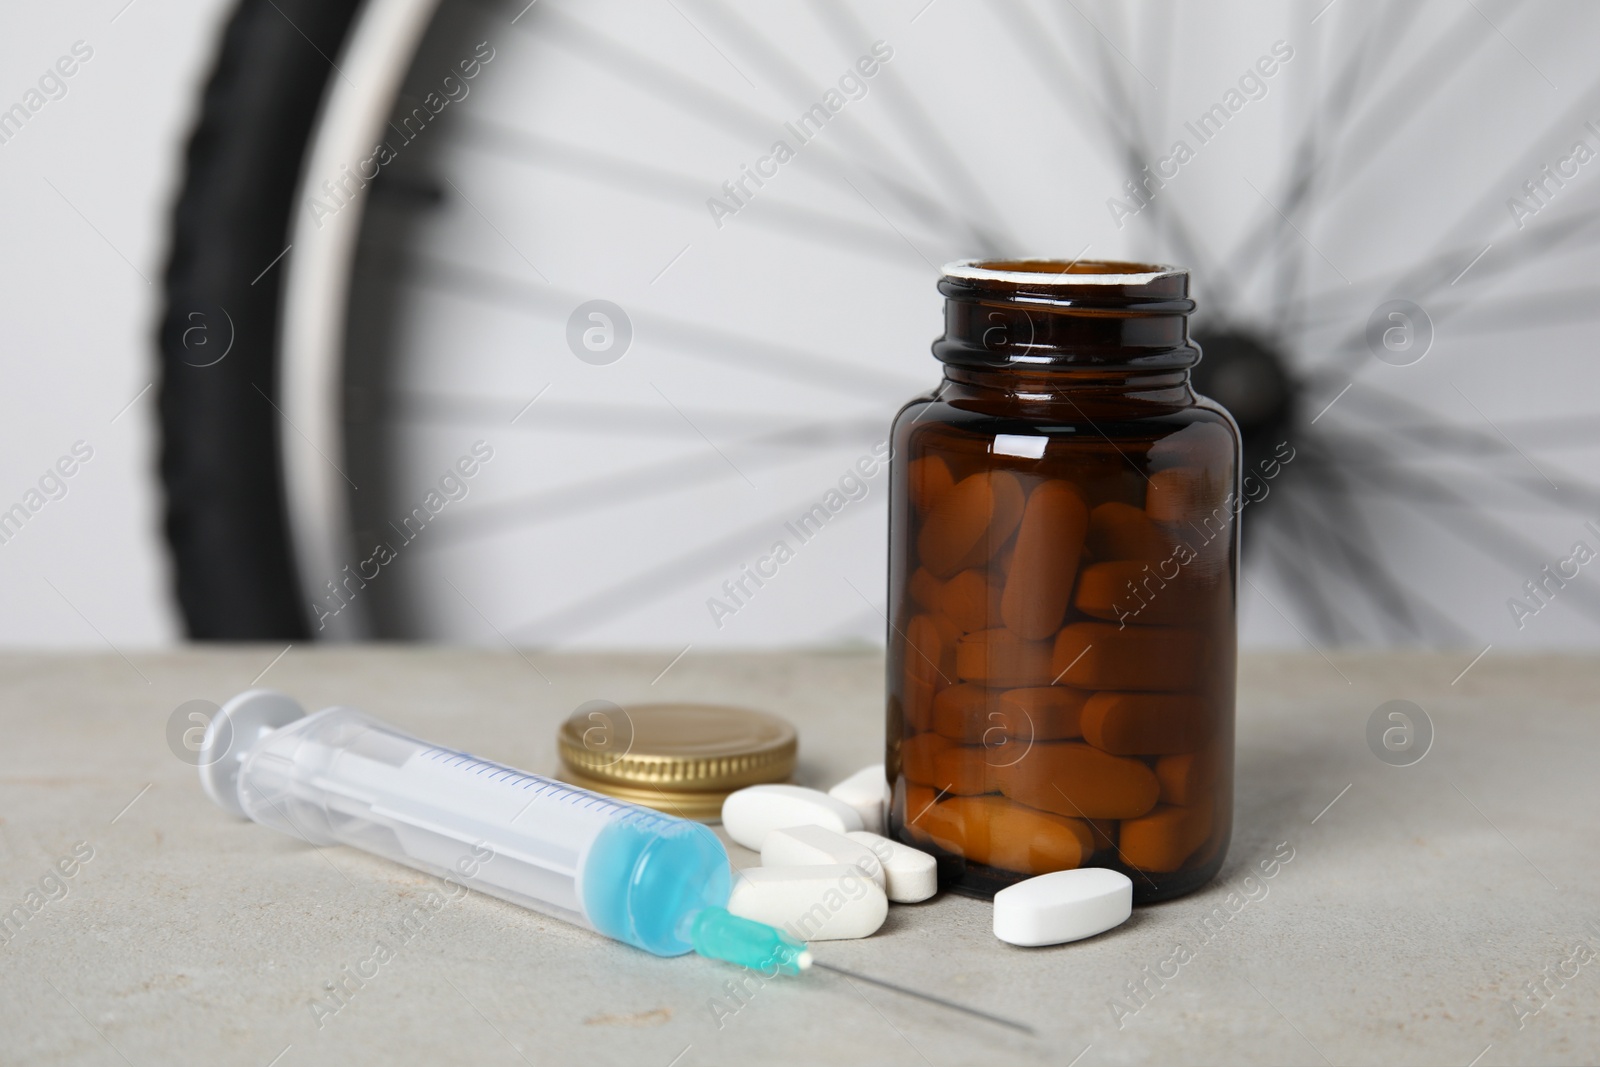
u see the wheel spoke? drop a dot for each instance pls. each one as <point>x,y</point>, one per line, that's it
<point>1566,495</point>
<point>678,189</point>
<point>1537,311</point>
<point>1338,105</point>
<point>1449,57</point>
<point>1317,151</point>
<point>1469,524</point>
<point>1423,279</point>
<point>629,487</point>
<point>1161,27</point>
<point>696,339</point>
<point>1562,491</point>
<point>775,65</point>
<point>1368,571</point>
<point>1448,269</point>
<point>1055,68</point>
<point>1445,439</point>
<point>1287,548</point>
<point>939,156</point>
<point>659,81</point>
<point>570,416</point>
<point>646,587</point>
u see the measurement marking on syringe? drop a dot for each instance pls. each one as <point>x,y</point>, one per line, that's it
<point>537,784</point>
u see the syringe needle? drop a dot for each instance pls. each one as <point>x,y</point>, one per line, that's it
<point>997,1020</point>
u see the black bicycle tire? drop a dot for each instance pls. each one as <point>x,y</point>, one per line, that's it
<point>226,520</point>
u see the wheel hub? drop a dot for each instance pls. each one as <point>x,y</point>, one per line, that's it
<point>1249,375</point>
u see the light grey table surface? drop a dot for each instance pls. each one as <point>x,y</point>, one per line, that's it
<point>1407,927</point>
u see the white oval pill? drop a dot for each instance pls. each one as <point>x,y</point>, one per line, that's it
<point>909,874</point>
<point>821,903</point>
<point>1062,906</point>
<point>811,846</point>
<point>867,791</point>
<point>750,814</point>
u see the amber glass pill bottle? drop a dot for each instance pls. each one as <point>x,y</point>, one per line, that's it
<point>1063,555</point>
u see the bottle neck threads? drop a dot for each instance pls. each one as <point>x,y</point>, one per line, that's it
<point>1054,315</point>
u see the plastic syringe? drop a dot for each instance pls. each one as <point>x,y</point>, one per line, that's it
<point>341,777</point>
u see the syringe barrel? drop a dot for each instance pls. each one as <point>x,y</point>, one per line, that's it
<point>340,776</point>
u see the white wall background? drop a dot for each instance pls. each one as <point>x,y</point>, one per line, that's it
<point>86,187</point>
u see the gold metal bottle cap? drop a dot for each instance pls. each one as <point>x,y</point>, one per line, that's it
<point>683,759</point>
